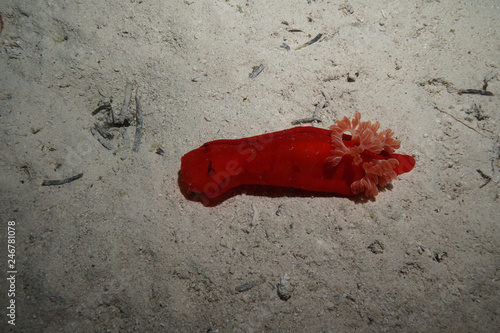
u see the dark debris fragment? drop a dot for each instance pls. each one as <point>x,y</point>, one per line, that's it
<point>314,118</point>
<point>477,112</point>
<point>485,176</point>
<point>376,247</point>
<point>312,41</point>
<point>245,287</point>
<point>62,181</point>
<point>199,77</point>
<point>284,46</point>
<point>103,107</point>
<point>483,92</point>
<point>160,151</point>
<point>256,71</point>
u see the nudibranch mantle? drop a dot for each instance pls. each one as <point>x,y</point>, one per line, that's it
<point>351,158</point>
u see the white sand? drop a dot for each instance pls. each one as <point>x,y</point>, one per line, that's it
<point>122,249</point>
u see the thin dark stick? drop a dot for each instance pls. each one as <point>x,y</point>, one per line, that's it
<point>315,39</point>
<point>485,176</point>
<point>312,41</point>
<point>314,117</point>
<point>126,139</point>
<point>105,106</point>
<point>126,142</point>
<point>196,79</point>
<point>103,142</point>
<point>138,125</point>
<point>483,92</point>
<point>126,101</point>
<point>463,123</point>
<point>104,132</point>
<point>256,71</point>
<point>61,181</point>
<point>476,92</point>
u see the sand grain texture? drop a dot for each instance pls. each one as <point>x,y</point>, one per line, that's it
<point>122,249</point>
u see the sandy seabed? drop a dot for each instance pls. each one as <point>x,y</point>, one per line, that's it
<point>124,249</point>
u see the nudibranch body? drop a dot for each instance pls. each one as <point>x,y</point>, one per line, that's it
<point>351,158</point>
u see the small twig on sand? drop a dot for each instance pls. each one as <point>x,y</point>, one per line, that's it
<point>105,133</point>
<point>312,41</point>
<point>62,181</point>
<point>199,77</point>
<point>105,106</point>
<point>256,71</point>
<point>101,140</point>
<point>485,176</point>
<point>138,121</point>
<point>126,102</point>
<point>483,91</point>
<point>126,139</point>
<point>126,142</point>
<point>463,123</point>
<point>314,117</point>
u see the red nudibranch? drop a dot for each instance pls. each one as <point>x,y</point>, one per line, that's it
<point>351,158</point>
